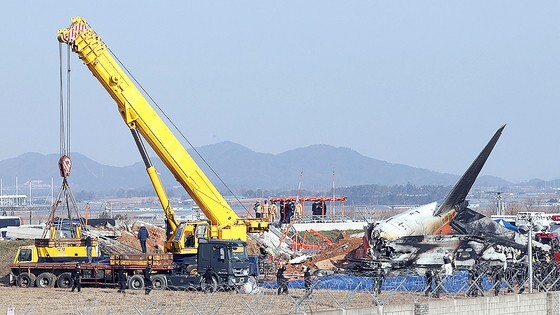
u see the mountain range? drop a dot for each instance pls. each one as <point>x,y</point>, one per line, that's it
<point>240,168</point>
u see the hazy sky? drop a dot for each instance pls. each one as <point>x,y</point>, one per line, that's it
<point>422,83</point>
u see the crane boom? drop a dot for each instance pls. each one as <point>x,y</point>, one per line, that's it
<point>138,114</point>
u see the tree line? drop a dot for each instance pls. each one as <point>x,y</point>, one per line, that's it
<point>408,194</point>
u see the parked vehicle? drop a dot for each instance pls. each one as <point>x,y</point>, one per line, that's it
<point>226,260</point>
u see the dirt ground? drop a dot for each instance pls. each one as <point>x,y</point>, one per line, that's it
<point>108,301</point>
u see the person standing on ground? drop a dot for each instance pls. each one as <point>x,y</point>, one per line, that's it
<point>208,279</point>
<point>121,279</point>
<point>447,264</point>
<point>378,277</point>
<point>282,280</point>
<point>143,237</point>
<point>498,277</point>
<point>429,279</point>
<point>88,248</point>
<point>147,280</point>
<point>307,278</point>
<point>437,284</point>
<point>77,278</point>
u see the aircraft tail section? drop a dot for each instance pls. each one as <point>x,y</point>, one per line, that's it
<point>457,195</point>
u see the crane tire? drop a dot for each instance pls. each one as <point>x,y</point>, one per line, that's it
<point>45,280</point>
<point>65,281</point>
<point>26,280</point>
<point>136,282</point>
<point>159,282</point>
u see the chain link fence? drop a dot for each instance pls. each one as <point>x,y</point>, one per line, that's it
<point>391,294</point>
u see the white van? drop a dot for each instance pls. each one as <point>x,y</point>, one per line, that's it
<point>6,221</point>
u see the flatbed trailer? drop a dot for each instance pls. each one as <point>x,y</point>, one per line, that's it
<point>226,260</point>
<point>101,273</point>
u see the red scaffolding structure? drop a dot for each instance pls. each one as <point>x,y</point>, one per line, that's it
<point>323,200</point>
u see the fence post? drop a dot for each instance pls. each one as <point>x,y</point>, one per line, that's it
<point>421,309</point>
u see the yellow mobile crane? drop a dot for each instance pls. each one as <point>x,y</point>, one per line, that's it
<point>143,120</point>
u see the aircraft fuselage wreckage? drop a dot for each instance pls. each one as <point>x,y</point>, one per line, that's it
<point>418,238</point>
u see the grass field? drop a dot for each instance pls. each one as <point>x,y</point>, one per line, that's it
<point>8,251</point>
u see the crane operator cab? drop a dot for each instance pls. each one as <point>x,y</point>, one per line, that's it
<point>185,239</point>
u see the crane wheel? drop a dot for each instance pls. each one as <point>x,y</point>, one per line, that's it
<point>26,280</point>
<point>65,280</point>
<point>45,280</point>
<point>136,282</point>
<point>159,282</point>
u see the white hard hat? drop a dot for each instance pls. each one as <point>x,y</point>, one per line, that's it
<point>141,224</point>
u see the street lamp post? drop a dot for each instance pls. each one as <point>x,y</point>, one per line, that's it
<point>528,230</point>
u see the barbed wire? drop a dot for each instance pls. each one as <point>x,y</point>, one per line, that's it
<point>335,292</point>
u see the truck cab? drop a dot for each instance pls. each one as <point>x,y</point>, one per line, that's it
<point>226,260</point>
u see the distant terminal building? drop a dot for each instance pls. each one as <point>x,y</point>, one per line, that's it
<point>9,203</point>
<point>13,200</point>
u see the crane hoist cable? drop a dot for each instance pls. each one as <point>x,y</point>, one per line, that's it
<point>179,131</point>
<point>64,109</point>
<point>65,198</point>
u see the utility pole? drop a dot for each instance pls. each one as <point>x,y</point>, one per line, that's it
<point>499,205</point>
<point>530,254</point>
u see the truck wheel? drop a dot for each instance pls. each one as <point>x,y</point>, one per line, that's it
<point>213,287</point>
<point>26,280</point>
<point>159,282</point>
<point>65,281</point>
<point>136,282</point>
<point>45,280</point>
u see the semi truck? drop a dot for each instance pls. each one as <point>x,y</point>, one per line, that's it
<point>226,260</point>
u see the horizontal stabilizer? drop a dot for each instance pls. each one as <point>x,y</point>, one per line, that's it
<point>460,191</point>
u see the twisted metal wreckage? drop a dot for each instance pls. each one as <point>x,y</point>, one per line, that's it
<point>415,241</point>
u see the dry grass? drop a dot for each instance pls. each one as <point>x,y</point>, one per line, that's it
<point>8,251</point>
<point>108,301</point>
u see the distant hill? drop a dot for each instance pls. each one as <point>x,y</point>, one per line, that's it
<point>86,174</point>
<point>240,168</point>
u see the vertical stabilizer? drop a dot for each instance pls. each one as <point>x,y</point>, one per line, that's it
<point>459,192</point>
